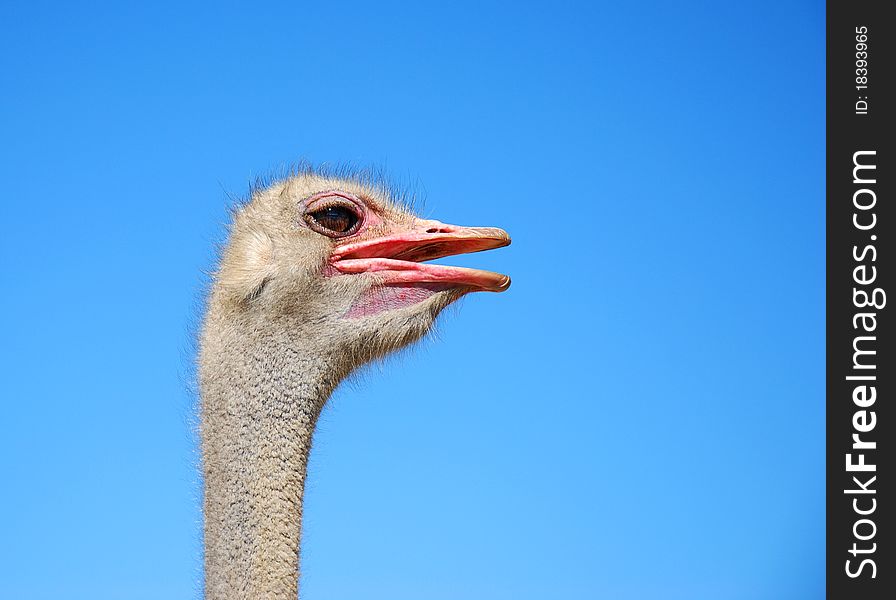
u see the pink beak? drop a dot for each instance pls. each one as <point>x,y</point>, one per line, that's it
<point>398,258</point>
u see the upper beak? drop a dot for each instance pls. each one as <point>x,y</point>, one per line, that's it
<point>398,258</point>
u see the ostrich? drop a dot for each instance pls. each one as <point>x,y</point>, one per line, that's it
<point>320,275</point>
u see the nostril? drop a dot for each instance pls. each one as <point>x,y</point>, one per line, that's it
<point>432,230</point>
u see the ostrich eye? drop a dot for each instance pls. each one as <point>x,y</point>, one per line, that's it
<point>334,220</point>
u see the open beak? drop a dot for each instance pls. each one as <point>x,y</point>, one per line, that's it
<point>398,258</point>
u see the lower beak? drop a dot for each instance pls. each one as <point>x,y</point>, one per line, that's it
<point>398,259</point>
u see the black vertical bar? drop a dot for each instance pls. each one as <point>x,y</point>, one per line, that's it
<point>861,372</point>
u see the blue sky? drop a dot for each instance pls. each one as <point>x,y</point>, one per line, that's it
<point>640,416</point>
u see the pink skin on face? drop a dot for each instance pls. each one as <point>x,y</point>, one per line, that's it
<point>404,279</point>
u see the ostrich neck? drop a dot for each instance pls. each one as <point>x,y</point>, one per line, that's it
<point>260,404</point>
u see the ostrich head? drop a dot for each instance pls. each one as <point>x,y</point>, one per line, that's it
<point>319,276</point>
<point>340,264</point>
